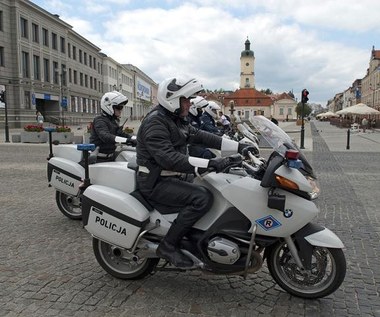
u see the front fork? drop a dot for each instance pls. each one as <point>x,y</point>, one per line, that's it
<point>302,243</point>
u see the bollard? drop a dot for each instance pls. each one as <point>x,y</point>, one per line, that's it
<point>348,140</point>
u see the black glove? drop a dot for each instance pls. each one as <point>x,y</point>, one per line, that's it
<point>244,148</point>
<point>219,164</point>
<point>131,142</point>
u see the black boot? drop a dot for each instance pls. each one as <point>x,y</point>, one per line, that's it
<point>168,248</point>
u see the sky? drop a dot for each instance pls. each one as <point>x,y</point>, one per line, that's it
<point>323,46</point>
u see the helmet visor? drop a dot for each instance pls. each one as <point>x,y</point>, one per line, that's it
<point>119,107</point>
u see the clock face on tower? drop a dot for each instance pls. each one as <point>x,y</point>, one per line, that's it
<point>246,64</point>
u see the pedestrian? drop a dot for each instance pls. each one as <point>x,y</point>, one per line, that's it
<point>373,124</point>
<point>106,127</point>
<point>39,119</point>
<point>164,163</point>
<point>364,124</point>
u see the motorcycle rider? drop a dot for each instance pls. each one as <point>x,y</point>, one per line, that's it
<point>208,117</point>
<point>163,162</point>
<point>105,127</point>
<point>195,113</point>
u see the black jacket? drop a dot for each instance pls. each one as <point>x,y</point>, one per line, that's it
<point>104,130</point>
<point>162,141</point>
<point>208,124</point>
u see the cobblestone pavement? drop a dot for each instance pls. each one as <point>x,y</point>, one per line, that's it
<point>47,266</point>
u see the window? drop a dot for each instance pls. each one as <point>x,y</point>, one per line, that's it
<point>1,21</point>
<point>63,44</point>
<point>63,75</point>
<point>36,67</point>
<point>2,61</point>
<point>90,60</point>
<point>80,56</point>
<point>25,64</point>
<point>75,77</point>
<point>54,41</point>
<point>35,33</point>
<point>281,111</point>
<point>86,80</point>
<point>24,27</point>
<point>85,58</point>
<point>290,111</point>
<point>45,37</point>
<point>69,50</point>
<point>74,52</point>
<point>91,82</point>
<point>81,79</point>
<point>70,76</point>
<point>55,72</point>
<point>46,70</point>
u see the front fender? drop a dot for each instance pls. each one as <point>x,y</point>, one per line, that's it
<point>325,238</point>
<point>313,235</point>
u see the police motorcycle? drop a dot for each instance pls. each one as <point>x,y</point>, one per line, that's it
<point>262,211</point>
<point>65,172</point>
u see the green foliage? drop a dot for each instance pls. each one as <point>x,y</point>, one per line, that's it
<point>266,91</point>
<point>307,110</point>
<point>62,129</point>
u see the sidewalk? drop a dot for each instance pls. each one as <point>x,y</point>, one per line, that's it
<point>78,130</point>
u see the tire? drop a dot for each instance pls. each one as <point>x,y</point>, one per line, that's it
<point>69,205</point>
<point>120,265</point>
<point>325,277</point>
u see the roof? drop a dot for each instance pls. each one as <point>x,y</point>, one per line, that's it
<point>282,96</point>
<point>248,97</point>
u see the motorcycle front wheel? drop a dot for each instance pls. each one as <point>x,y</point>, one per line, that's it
<point>69,205</point>
<point>121,264</point>
<point>328,269</point>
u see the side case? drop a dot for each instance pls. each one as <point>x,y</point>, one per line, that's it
<point>112,215</point>
<point>64,175</point>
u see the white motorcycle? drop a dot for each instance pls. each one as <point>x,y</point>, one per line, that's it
<point>262,210</point>
<point>65,173</point>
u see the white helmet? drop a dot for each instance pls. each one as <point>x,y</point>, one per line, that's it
<point>172,89</point>
<point>197,103</point>
<point>112,99</point>
<point>212,109</point>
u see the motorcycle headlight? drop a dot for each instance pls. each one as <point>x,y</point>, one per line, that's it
<point>315,187</point>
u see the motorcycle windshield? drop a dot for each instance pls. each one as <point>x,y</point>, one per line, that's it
<point>273,134</point>
<point>278,139</point>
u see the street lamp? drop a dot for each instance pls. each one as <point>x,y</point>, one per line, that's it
<point>62,103</point>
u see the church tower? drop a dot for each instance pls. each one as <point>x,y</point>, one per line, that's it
<point>247,66</point>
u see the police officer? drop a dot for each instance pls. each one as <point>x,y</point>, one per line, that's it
<point>106,132</point>
<point>208,118</point>
<point>163,161</point>
<point>195,112</point>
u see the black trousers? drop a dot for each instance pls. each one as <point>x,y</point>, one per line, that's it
<point>171,194</point>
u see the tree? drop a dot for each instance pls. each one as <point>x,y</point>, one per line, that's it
<point>267,91</point>
<point>307,110</point>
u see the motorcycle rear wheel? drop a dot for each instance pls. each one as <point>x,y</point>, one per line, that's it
<point>113,260</point>
<point>69,205</point>
<point>326,275</point>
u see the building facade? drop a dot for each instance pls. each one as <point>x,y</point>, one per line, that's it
<point>46,66</point>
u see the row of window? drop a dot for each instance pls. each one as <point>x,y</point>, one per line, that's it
<point>52,42</point>
<point>58,72</point>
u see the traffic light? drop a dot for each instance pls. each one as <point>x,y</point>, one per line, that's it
<point>304,95</point>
